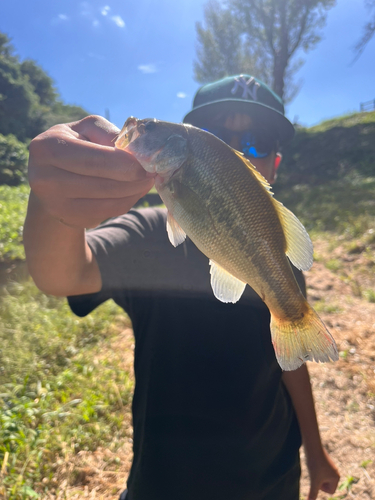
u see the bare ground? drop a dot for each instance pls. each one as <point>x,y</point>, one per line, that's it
<point>344,391</point>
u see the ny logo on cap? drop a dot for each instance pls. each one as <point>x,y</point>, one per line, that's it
<point>249,87</point>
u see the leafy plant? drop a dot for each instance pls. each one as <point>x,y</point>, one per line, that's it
<point>13,161</point>
<point>348,483</point>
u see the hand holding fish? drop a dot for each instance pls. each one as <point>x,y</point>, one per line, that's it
<point>80,178</point>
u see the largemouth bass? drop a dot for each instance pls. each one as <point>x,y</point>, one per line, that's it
<point>217,197</point>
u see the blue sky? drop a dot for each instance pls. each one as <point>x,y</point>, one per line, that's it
<point>136,57</point>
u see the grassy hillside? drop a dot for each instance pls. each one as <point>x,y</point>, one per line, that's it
<point>333,149</point>
<point>328,175</point>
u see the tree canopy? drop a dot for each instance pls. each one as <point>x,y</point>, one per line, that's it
<point>368,29</point>
<point>29,104</point>
<point>260,37</point>
<point>29,101</point>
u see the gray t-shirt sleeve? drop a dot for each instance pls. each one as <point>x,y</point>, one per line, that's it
<point>124,248</point>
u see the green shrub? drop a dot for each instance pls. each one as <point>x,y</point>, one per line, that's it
<point>13,161</point>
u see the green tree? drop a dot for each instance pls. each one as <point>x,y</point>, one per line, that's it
<point>261,37</point>
<point>42,84</point>
<point>222,49</point>
<point>29,102</point>
<point>18,101</point>
<point>13,161</point>
<point>368,29</point>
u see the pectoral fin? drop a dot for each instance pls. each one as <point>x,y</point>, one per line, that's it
<point>175,232</point>
<point>225,286</point>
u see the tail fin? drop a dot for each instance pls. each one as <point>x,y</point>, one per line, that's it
<point>300,341</point>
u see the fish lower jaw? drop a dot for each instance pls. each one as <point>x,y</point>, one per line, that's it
<point>159,180</point>
<point>165,176</point>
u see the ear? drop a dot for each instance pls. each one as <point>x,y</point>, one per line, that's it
<point>276,163</point>
<point>278,159</point>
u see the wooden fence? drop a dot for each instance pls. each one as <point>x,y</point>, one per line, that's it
<point>367,106</point>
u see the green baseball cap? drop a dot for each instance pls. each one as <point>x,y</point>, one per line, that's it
<point>241,94</point>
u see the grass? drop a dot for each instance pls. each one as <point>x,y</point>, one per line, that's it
<point>333,264</point>
<point>58,395</point>
<point>369,295</point>
<point>13,204</point>
<point>322,306</point>
<point>345,206</point>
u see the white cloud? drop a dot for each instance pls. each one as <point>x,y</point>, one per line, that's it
<point>118,21</point>
<point>61,18</point>
<point>147,68</point>
<point>181,95</point>
<point>87,12</point>
<point>105,10</point>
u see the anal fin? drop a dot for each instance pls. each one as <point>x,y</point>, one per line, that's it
<point>225,286</point>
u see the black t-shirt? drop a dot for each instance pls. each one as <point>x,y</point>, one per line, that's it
<point>212,419</point>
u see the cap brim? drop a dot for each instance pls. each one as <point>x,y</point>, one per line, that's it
<point>201,116</point>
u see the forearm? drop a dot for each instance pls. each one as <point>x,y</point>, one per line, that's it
<point>58,257</point>
<point>298,385</point>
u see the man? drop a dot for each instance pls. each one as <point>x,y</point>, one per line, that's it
<point>214,417</point>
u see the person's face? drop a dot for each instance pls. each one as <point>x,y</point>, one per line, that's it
<point>239,122</point>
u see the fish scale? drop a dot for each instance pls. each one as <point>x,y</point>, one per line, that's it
<point>216,197</point>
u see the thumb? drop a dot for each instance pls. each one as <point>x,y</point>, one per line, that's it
<point>314,490</point>
<point>96,129</point>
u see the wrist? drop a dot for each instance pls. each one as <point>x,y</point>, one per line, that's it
<point>314,454</point>
<point>37,209</point>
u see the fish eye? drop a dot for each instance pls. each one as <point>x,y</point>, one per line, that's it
<point>149,126</point>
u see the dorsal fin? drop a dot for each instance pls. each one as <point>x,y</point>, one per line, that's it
<point>299,247</point>
<point>254,171</point>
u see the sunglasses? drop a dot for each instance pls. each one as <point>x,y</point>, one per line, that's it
<point>255,145</point>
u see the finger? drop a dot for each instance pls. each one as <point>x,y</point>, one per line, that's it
<point>313,494</point>
<point>97,129</point>
<point>56,183</point>
<point>329,486</point>
<point>82,157</point>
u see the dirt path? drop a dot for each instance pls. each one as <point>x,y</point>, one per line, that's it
<point>344,394</point>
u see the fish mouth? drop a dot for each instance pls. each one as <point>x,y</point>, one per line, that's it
<point>134,128</point>
<point>128,133</point>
